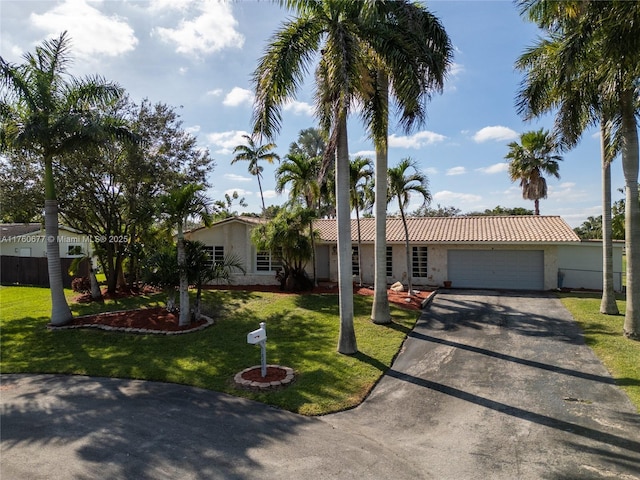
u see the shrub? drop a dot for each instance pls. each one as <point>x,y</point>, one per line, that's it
<point>81,285</point>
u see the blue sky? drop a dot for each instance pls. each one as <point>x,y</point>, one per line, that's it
<point>198,56</point>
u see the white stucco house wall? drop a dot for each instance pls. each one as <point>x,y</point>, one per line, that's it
<point>502,252</point>
<point>29,240</point>
<point>23,252</point>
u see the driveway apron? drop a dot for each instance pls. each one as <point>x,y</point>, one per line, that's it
<point>500,385</point>
<point>489,385</point>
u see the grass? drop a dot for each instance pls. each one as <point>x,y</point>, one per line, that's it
<point>603,333</point>
<point>302,334</point>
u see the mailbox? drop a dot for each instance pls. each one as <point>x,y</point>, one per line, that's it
<point>257,336</point>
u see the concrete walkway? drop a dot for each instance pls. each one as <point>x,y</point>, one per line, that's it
<point>488,386</point>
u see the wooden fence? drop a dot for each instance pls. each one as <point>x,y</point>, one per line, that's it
<point>33,271</point>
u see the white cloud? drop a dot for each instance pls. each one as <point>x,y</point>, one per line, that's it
<point>417,140</point>
<point>237,178</point>
<point>193,130</point>
<point>214,29</point>
<point>270,194</point>
<point>495,168</point>
<point>497,133</point>
<point>456,171</point>
<point>227,141</point>
<point>446,197</point>
<point>567,185</point>
<point>159,5</point>
<point>92,32</point>
<point>455,69</point>
<point>430,170</point>
<point>364,153</point>
<point>216,92</point>
<point>183,70</point>
<point>238,96</point>
<point>298,108</point>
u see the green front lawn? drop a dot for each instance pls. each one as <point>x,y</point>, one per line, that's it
<point>603,333</point>
<point>302,334</point>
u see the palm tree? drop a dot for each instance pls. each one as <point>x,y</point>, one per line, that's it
<point>253,154</point>
<point>401,185</point>
<point>300,171</point>
<point>583,95</point>
<point>179,204</point>
<point>529,160</point>
<point>360,174</point>
<point>202,269</point>
<point>48,113</point>
<point>348,35</point>
<point>410,80</point>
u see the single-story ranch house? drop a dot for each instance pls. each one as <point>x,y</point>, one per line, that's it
<point>23,252</point>
<point>500,252</point>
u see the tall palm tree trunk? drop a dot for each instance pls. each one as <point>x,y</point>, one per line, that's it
<point>347,340</point>
<point>632,211</point>
<point>261,194</point>
<point>380,313</point>
<point>60,312</point>
<point>184,280</point>
<point>313,254</point>
<point>359,247</point>
<point>408,251</point>
<point>608,304</point>
<point>536,205</point>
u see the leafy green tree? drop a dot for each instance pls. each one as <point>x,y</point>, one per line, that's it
<point>178,205</point>
<point>253,153</point>
<point>120,182</point>
<point>404,180</point>
<point>48,113</point>
<point>439,211</point>
<point>360,176</point>
<point>223,207</point>
<point>498,211</point>
<point>529,160</point>
<point>22,188</point>
<point>285,235</point>
<point>591,228</point>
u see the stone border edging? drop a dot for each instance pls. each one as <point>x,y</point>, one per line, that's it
<point>209,322</point>
<point>254,385</point>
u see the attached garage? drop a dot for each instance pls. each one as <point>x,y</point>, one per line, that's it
<point>505,269</point>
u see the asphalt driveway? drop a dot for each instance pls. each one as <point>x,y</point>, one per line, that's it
<point>488,386</point>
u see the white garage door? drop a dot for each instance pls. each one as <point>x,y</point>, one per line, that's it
<point>505,269</point>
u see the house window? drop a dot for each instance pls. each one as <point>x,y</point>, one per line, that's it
<point>355,261</point>
<point>215,254</point>
<point>419,264</point>
<point>389,261</point>
<point>268,261</point>
<point>74,250</point>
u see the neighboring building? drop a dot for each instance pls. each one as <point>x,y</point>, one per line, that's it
<point>501,252</point>
<point>23,252</point>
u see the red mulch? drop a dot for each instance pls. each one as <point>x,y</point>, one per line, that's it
<point>274,374</point>
<point>158,318</point>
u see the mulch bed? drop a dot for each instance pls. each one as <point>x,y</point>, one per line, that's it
<point>158,319</point>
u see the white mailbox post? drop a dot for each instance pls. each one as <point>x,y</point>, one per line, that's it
<point>259,337</point>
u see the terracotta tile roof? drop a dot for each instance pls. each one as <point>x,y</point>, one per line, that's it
<point>499,229</point>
